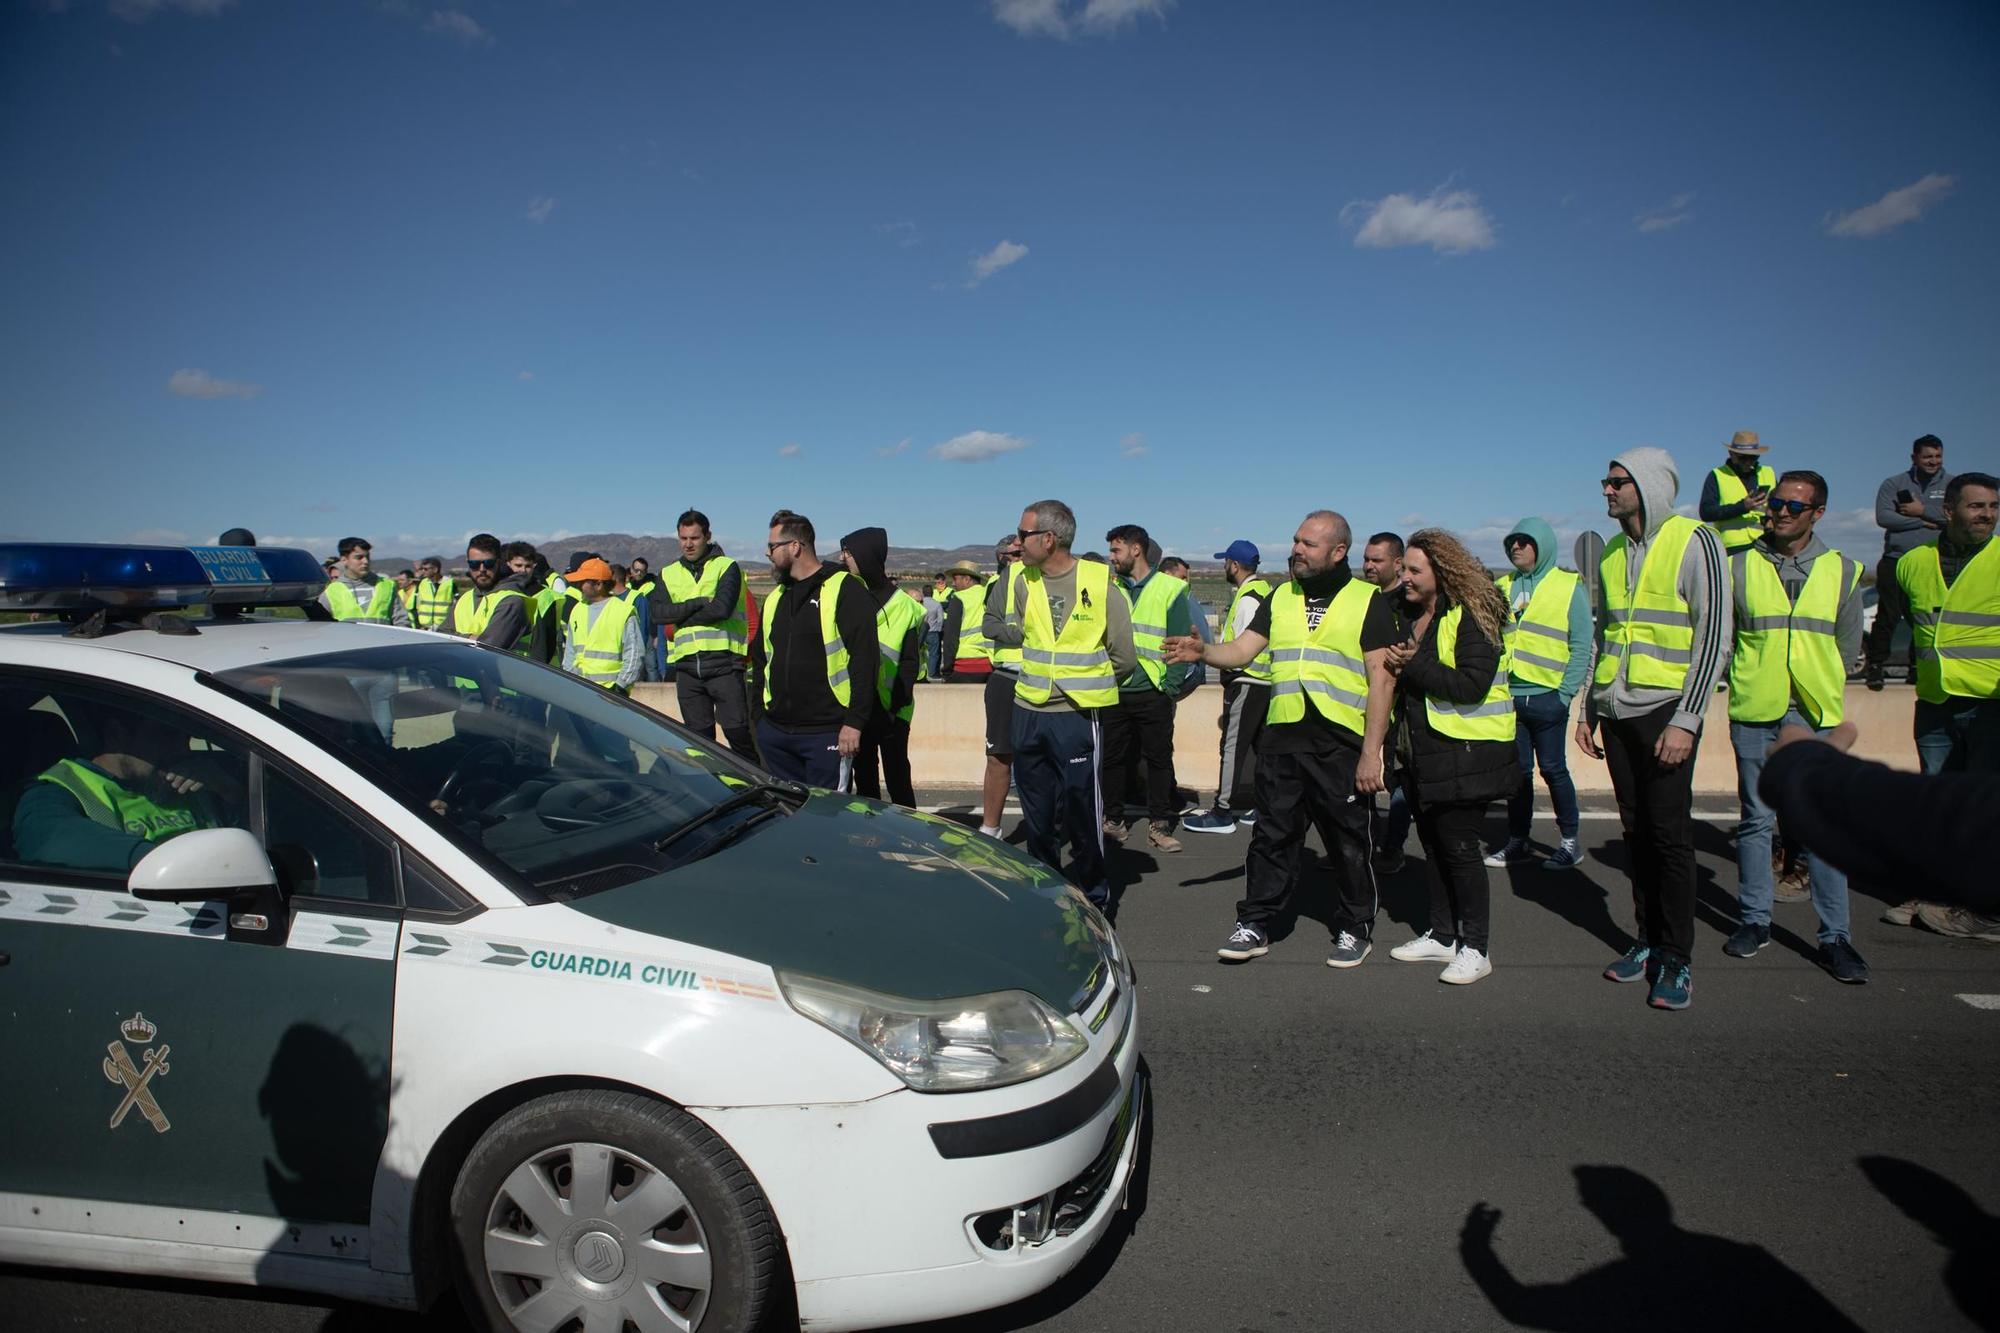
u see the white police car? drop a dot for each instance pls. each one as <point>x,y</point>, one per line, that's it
<point>368,961</point>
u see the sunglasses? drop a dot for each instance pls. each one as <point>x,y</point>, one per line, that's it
<point>1617,483</point>
<point>1025,533</point>
<point>1792,507</point>
<point>772,546</point>
<point>480,564</point>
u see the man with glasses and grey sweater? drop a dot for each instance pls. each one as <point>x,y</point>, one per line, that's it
<point>1664,624</point>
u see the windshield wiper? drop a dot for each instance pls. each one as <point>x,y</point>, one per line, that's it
<point>751,795</point>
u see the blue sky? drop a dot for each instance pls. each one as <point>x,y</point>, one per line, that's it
<point>408,271</point>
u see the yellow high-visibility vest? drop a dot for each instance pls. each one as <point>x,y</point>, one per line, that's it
<point>340,600</point>
<point>470,618</point>
<point>1648,628</point>
<point>1744,529</point>
<point>829,633</point>
<point>434,598</point>
<point>1077,662</point>
<point>1257,585</point>
<point>1786,650</point>
<point>731,635</point>
<point>1325,664</point>
<point>1149,623</point>
<point>1492,718</point>
<point>1956,641</point>
<point>1538,637</point>
<point>894,620</point>
<point>599,648</point>
<point>972,640</point>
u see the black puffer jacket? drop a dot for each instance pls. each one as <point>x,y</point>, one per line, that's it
<point>1441,769</point>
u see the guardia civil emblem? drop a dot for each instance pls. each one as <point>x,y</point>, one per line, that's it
<point>137,1079</point>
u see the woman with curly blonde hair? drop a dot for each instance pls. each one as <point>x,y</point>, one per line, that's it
<point>1454,741</point>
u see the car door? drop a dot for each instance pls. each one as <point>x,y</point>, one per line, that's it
<point>174,1054</point>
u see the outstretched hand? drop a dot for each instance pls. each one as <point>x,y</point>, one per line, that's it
<point>1182,648</point>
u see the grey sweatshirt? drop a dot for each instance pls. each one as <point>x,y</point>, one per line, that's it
<point>1901,533</point>
<point>1703,583</point>
<point>1062,592</point>
<point>365,592</point>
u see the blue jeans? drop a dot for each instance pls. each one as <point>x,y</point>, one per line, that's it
<point>1541,733</point>
<point>1752,741</point>
<point>1958,736</point>
<point>1395,828</point>
<point>933,642</point>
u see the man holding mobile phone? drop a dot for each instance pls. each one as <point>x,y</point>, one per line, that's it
<point>1909,508</point>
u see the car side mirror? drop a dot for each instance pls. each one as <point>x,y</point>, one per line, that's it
<point>207,865</point>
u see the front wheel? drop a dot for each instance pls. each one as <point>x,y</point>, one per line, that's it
<point>583,1212</point>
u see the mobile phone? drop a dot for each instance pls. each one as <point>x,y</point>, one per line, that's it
<point>1904,496</point>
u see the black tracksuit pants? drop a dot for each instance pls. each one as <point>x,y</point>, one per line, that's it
<point>1656,807</point>
<point>1891,609</point>
<point>1055,772</point>
<point>888,737</point>
<point>1140,727</point>
<point>1296,791</point>
<point>719,699</point>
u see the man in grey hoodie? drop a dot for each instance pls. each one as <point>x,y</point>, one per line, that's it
<point>1664,625</point>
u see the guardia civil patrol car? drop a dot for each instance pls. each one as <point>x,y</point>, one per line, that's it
<point>370,962</point>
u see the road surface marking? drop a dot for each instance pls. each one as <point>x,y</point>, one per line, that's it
<point>1982,1001</point>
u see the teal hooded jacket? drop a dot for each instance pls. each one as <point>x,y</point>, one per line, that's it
<point>1581,630</point>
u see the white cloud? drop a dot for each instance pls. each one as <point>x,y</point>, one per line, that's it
<point>1061,19</point>
<point>525,376</point>
<point>1671,214</point>
<point>1451,223</point>
<point>790,451</point>
<point>201,384</point>
<point>999,257</point>
<point>904,234</point>
<point>1133,445</point>
<point>138,11</point>
<point>539,208</point>
<point>1893,209</point>
<point>977,446</point>
<point>459,26</point>
<point>158,537</point>
<point>891,450</point>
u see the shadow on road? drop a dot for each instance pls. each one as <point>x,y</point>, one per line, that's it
<point>1574,896</point>
<point>1956,1222</point>
<point>1688,1278</point>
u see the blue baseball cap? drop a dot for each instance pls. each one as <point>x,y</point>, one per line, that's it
<point>1242,552</point>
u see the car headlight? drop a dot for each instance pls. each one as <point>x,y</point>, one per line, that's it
<point>956,1045</point>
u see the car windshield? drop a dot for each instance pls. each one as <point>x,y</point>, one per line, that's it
<point>558,785</point>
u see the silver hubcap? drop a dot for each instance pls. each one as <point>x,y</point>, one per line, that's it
<point>589,1237</point>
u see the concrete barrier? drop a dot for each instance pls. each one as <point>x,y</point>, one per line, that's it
<point>948,736</point>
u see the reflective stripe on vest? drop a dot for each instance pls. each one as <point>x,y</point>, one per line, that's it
<point>1260,665</point>
<point>599,649</point>
<point>470,618</point>
<point>829,634</point>
<point>109,804</point>
<point>1648,630</point>
<point>1787,650</point>
<point>1325,664</point>
<point>1492,718</point>
<point>1149,623</point>
<point>340,600</point>
<point>1005,656</point>
<point>1744,529</point>
<point>1956,640</point>
<point>727,636</point>
<point>972,640</point>
<point>1538,634</point>
<point>433,606</point>
<point>894,620</point>
<point>1076,661</point>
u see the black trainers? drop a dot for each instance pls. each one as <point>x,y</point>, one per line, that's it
<point>1748,939</point>
<point>1873,679</point>
<point>1839,958</point>
<point>1244,943</point>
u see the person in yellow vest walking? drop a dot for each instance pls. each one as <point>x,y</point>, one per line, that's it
<point>1454,742</point>
<point>884,756</point>
<point>701,596</point>
<point>967,650</point>
<point>1076,642</point>
<point>435,593</point>
<point>1141,727</point>
<point>1246,698</point>
<point>1548,640</point>
<point>1320,759</point>
<point>1733,495</point>
<point>1797,625</point>
<point>497,609</point>
<point>821,659</point>
<point>1952,586</point>
<point>355,593</point>
<point>1000,622</point>
<point>1664,618</point>
<point>601,642</point>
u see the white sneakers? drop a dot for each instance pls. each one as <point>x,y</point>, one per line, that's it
<point>1463,965</point>
<point>1469,966</point>
<point>1425,948</point>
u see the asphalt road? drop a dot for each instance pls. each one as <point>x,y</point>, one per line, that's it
<point>1372,1149</point>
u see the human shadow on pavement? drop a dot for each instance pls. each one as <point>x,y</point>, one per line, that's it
<point>1574,896</point>
<point>1956,1222</point>
<point>1701,1281</point>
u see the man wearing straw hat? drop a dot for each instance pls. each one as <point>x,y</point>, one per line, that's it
<point>1733,496</point>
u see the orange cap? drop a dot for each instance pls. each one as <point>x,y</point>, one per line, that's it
<point>592,568</point>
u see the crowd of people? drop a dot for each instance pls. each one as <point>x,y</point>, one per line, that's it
<point>1421,680</point>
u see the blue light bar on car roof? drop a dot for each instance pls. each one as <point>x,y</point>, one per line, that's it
<point>77,577</point>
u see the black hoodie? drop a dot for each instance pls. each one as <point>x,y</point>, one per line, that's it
<point>802,702</point>
<point>870,549</point>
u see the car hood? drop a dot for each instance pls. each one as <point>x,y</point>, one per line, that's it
<point>876,896</point>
